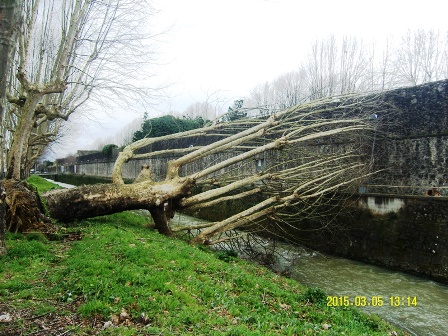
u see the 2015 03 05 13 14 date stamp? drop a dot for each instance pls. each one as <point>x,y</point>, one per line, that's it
<point>372,301</point>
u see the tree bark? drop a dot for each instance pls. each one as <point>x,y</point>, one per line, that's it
<point>161,199</point>
<point>9,19</point>
<point>18,152</point>
<point>8,27</point>
<point>160,216</point>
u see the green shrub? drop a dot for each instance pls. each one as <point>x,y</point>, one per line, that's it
<point>227,255</point>
<point>36,236</point>
<point>108,150</point>
<point>315,295</point>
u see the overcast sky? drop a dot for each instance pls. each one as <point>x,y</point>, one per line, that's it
<point>230,46</point>
<point>233,45</point>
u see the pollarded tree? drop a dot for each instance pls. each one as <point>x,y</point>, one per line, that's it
<point>312,150</point>
<point>70,53</point>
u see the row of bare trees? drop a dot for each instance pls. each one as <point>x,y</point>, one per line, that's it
<point>336,66</point>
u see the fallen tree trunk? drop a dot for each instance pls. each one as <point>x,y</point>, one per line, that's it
<point>68,205</point>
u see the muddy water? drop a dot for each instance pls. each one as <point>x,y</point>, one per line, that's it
<point>417,305</point>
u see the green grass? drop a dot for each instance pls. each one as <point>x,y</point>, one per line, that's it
<point>41,184</point>
<point>160,285</point>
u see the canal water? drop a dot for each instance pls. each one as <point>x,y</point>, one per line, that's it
<point>417,305</point>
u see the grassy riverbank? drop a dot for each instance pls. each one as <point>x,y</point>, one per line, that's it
<point>114,270</point>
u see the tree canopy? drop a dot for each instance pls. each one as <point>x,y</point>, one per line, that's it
<point>108,150</point>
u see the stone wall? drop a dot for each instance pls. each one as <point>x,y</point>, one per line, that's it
<point>411,145</point>
<point>412,165</point>
<point>411,237</point>
<point>159,165</point>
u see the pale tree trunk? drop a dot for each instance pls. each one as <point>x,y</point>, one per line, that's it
<point>9,19</point>
<point>18,152</point>
<point>104,199</point>
<point>65,55</point>
<point>9,10</point>
<point>61,55</point>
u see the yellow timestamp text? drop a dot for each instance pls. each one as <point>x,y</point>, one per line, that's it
<point>373,301</point>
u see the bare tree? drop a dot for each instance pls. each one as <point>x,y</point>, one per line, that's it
<point>204,110</point>
<point>210,108</point>
<point>70,53</point>
<point>290,89</point>
<point>262,97</point>
<point>285,91</point>
<point>337,67</point>
<point>421,57</point>
<point>353,69</point>
<point>381,73</point>
<point>321,68</point>
<point>445,56</point>
<point>304,165</point>
<point>9,21</point>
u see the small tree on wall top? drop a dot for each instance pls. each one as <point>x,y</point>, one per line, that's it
<point>108,150</point>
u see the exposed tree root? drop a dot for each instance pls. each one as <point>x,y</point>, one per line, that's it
<point>24,209</point>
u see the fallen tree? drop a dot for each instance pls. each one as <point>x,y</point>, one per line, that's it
<point>315,149</point>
